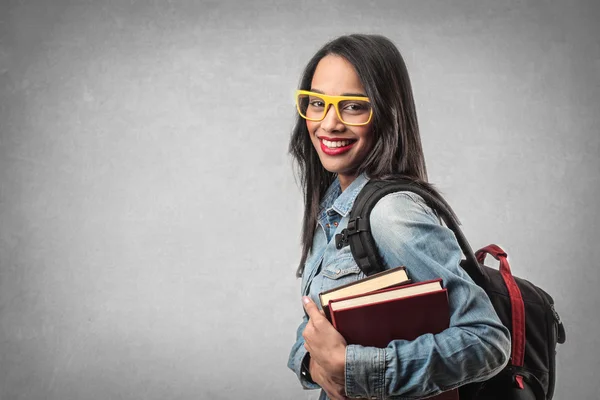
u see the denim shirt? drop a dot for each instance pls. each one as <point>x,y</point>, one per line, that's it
<point>406,231</point>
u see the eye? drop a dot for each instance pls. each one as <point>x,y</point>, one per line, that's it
<point>356,107</point>
<point>316,103</point>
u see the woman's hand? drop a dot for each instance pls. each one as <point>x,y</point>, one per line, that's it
<point>334,389</point>
<point>327,350</point>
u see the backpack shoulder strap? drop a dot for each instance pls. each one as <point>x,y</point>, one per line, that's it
<point>358,232</point>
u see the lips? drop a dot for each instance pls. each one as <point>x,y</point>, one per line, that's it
<point>333,147</point>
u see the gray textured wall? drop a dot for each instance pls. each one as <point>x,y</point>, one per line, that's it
<point>149,217</point>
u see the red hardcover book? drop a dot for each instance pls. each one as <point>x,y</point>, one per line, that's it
<point>405,312</point>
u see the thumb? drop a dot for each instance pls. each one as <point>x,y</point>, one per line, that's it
<point>310,307</point>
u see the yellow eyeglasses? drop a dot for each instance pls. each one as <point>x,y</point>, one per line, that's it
<point>351,110</point>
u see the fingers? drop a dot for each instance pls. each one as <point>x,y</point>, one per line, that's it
<point>334,390</point>
<point>307,345</point>
<point>312,327</point>
<point>317,333</point>
<point>311,308</point>
<point>334,396</point>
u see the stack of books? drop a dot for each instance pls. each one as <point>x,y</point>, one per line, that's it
<point>388,306</point>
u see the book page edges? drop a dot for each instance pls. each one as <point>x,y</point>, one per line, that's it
<point>385,295</point>
<point>365,286</point>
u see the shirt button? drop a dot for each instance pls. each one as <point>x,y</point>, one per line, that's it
<point>327,225</point>
<point>337,271</point>
<point>335,224</point>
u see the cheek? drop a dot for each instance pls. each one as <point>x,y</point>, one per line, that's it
<point>312,127</point>
<point>366,135</point>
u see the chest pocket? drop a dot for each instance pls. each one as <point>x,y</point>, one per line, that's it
<point>337,271</point>
<point>340,271</point>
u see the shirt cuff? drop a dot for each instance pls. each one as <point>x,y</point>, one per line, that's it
<point>365,372</point>
<point>306,384</point>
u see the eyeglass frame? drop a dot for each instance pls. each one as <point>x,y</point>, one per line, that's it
<point>332,100</point>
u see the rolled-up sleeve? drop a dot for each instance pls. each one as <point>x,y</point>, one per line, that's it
<point>474,348</point>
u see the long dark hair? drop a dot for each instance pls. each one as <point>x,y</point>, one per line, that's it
<point>397,150</point>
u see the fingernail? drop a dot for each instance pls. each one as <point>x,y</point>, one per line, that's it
<point>305,300</point>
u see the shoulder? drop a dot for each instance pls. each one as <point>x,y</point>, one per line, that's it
<point>403,217</point>
<point>402,206</point>
<point>406,231</point>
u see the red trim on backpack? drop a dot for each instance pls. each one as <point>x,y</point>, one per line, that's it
<point>519,382</point>
<point>516,302</point>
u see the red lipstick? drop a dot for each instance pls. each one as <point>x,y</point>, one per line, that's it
<point>337,150</point>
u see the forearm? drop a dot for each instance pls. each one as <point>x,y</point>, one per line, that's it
<point>426,366</point>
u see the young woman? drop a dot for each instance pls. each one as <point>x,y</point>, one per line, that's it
<point>357,121</point>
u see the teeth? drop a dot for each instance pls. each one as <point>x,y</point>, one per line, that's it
<point>333,145</point>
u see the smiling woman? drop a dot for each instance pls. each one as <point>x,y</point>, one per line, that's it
<point>357,122</point>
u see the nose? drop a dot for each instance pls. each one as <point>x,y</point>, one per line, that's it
<point>331,122</point>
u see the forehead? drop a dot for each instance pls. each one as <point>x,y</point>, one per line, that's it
<point>335,75</point>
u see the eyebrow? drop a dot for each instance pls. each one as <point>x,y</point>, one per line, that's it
<point>343,94</point>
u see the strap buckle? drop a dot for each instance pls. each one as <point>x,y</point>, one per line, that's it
<point>355,225</point>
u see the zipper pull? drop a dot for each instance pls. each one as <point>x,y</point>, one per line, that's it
<point>562,335</point>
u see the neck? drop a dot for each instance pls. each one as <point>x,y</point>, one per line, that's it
<point>346,180</point>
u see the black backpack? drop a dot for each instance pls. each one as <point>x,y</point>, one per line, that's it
<point>525,309</point>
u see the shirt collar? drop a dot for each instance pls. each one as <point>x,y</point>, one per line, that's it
<point>342,202</point>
